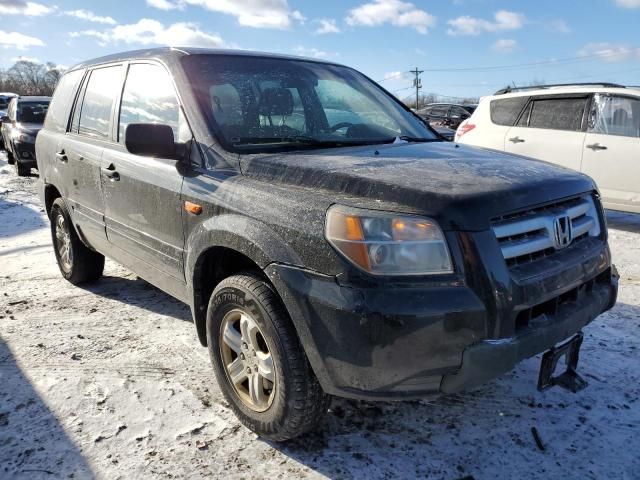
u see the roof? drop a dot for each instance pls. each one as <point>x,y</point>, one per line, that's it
<point>569,89</point>
<point>163,53</point>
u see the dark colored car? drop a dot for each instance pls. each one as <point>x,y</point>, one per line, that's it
<point>327,241</point>
<point>446,114</point>
<point>20,126</point>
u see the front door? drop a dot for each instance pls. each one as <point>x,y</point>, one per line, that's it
<point>143,210</point>
<point>611,154</point>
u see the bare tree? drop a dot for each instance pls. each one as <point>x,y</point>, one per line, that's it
<point>30,78</point>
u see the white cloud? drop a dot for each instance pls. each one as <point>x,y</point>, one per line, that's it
<point>505,45</point>
<point>503,20</point>
<point>22,58</point>
<point>397,75</point>
<point>327,25</point>
<point>18,40</point>
<point>22,7</point>
<point>628,3</point>
<point>310,52</point>
<point>249,13</point>
<point>151,32</point>
<point>395,12</point>
<point>610,52</point>
<point>165,4</point>
<point>90,16</point>
<point>558,25</point>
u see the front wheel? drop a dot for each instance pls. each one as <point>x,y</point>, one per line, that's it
<point>10,158</point>
<point>76,261</point>
<point>259,362</point>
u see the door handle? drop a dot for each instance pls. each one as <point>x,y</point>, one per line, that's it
<point>111,173</point>
<point>516,140</point>
<point>596,146</point>
<point>62,157</point>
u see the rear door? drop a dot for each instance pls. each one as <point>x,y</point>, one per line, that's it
<point>611,153</point>
<point>79,153</point>
<point>551,128</point>
<point>143,210</point>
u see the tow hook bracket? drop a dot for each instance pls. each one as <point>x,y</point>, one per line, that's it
<point>569,379</point>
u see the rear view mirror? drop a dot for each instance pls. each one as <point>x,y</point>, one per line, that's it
<point>150,140</point>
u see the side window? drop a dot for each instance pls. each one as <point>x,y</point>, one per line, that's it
<point>611,115</point>
<point>149,97</point>
<point>558,113</point>
<point>101,92</point>
<point>58,113</point>
<point>505,111</point>
<point>459,112</point>
<point>440,111</point>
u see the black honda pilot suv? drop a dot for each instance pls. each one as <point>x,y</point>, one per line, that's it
<point>327,240</point>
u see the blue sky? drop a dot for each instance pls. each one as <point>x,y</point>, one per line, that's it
<point>382,38</point>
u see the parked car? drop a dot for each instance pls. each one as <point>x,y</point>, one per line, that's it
<point>5,98</point>
<point>356,255</point>
<point>20,126</point>
<point>591,128</point>
<point>446,114</point>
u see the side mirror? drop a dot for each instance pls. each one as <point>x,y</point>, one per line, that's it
<point>5,119</point>
<point>150,140</point>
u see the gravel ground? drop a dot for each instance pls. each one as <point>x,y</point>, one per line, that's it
<point>109,381</point>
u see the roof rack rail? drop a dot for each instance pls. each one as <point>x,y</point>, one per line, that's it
<point>535,87</point>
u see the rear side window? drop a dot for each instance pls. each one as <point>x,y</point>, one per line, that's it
<point>613,115</point>
<point>99,98</point>
<point>58,113</point>
<point>149,97</point>
<point>505,111</point>
<point>558,113</point>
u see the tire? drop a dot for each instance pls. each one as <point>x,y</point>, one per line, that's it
<point>10,158</point>
<point>22,170</point>
<point>81,265</point>
<point>295,402</point>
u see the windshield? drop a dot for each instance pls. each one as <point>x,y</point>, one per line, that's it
<point>31,112</point>
<point>261,104</point>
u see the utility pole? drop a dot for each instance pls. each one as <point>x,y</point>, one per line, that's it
<point>417,82</point>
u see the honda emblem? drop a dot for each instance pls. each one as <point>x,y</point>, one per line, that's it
<point>563,231</point>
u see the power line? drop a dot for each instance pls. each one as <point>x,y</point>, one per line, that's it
<point>580,58</point>
<point>391,77</point>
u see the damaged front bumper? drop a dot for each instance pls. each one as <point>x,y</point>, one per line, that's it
<point>413,342</point>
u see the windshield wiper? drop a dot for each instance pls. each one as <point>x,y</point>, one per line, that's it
<point>303,140</point>
<point>407,138</point>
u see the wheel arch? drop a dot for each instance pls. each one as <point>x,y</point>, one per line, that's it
<point>224,246</point>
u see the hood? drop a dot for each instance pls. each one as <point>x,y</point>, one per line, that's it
<point>29,128</point>
<point>461,187</point>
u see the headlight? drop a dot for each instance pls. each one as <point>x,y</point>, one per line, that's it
<point>384,243</point>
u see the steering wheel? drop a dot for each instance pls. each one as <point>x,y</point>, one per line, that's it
<point>340,125</point>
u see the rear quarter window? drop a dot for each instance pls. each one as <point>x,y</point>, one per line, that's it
<point>505,111</point>
<point>60,106</point>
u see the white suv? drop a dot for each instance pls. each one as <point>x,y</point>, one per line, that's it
<point>591,128</point>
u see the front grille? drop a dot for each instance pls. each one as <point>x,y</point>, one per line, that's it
<point>533,234</point>
<point>550,308</point>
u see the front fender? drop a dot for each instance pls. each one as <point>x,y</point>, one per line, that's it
<point>250,237</point>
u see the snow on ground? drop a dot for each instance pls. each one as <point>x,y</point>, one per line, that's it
<point>109,381</point>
